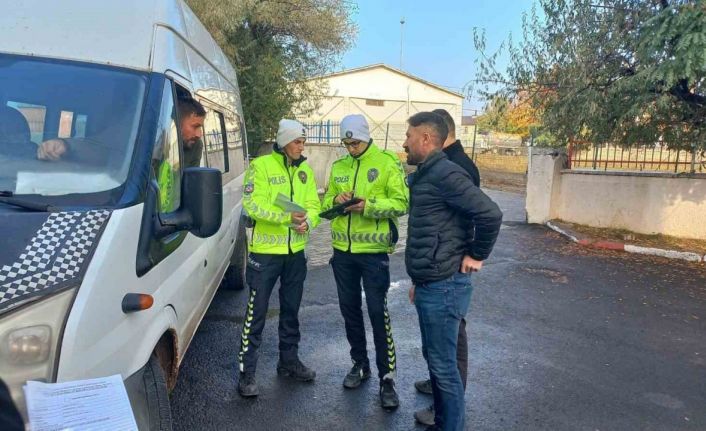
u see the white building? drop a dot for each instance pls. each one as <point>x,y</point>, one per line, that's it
<point>386,96</point>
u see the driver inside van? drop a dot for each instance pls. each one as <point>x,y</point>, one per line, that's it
<point>191,113</point>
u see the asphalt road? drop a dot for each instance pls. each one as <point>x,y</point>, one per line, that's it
<point>561,338</point>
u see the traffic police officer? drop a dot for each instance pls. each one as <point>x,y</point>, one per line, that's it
<point>277,251</point>
<point>362,239</point>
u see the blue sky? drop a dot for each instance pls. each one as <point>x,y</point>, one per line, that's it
<point>438,36</point>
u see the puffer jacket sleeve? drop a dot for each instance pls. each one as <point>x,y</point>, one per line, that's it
<point>462,195</point>
<point>256,199</point>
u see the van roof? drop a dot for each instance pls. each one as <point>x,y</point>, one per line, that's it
<point>116,33</point>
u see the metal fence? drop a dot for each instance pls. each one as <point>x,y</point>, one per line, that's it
<point>646,158</point>
<point>325,132</point>
<point>390,135</point>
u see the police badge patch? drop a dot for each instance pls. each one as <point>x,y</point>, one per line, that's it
<point>249,188</point>
<point>302,177</point>
<point>372,174</point>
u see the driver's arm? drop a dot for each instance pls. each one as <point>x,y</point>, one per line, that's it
<point>53,149</point>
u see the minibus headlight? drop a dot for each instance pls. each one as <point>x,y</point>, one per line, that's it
<point>29,341</point>
<point>28,346</point>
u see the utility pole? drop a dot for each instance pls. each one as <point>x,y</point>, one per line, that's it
<point>402,21</point>
<point>475,130</point>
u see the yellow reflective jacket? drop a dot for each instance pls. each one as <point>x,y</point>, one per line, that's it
<point>378,177</point>
<point>266,177</point>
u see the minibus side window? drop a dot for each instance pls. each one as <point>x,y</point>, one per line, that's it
<point>166,160</point>
<point>215,140</point>
<point>236,149</point>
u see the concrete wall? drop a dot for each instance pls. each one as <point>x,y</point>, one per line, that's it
<point>543,180</point>
<point>647,203</point>
<point>320,158</point>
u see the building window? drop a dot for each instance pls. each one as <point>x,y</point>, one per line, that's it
<point>373,102</point>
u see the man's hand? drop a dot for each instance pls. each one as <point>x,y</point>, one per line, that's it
<point>357,208</point>
<point>343,197</point>
<point>298,218</point>
<point>468,264</point>
<point>52,150</point>
<point>302,228</point>
<point>411,294</point>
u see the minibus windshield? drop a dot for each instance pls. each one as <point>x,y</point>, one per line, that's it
<point>66,128</point>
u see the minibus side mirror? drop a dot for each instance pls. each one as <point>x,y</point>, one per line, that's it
<point>201,209</point>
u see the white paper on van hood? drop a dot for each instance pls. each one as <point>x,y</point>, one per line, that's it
<point>62,183</point>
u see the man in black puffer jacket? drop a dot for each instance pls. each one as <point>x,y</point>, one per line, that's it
<point>454,151</point>
<point>442,251</point>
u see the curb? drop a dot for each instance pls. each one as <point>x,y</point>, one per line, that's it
<point>628,248</point>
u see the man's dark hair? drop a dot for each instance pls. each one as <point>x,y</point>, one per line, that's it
<point>430,119</point>
<point>448,119</point>
<point>187,106</point>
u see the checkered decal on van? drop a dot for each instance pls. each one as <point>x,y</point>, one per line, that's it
<point>56,254</point>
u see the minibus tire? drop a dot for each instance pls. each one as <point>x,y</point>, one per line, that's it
<point>160,411</point>
<point>234,278</point>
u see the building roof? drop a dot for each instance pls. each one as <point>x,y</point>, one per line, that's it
<point>468,120</point>
<point>391,69</point>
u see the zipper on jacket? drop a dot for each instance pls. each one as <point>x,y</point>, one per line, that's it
<point>291,198</point>
<point>350,214</point>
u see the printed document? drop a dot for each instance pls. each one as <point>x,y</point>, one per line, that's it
<point>81,405</point>
<point>287,205</point>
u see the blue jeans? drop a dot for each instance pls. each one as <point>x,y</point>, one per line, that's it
<point>440,306</point>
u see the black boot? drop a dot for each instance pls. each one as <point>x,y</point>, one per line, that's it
<point>357,374</point>
<point>296,370</point>
<point>388,395</point>
<point>247,386</point>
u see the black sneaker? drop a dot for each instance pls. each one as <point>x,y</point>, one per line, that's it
<point>388,396</point>
<point>423,386</point>
<point>425,416</point>
<point>247,386</point>
<point>296,370</point>
<point>357,374</point>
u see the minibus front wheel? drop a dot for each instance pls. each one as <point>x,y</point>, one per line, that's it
<point>149,397</point>
<point>234,278</point>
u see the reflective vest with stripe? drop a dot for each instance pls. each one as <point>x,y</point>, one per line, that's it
<point>378,177</point>
<point>266,177</point>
